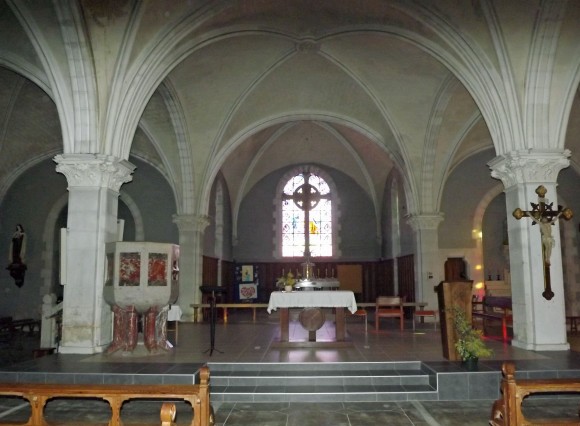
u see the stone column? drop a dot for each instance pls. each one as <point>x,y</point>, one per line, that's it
<point>93,183</point>
<point>428,264</point>
<point>191,229</point>
<point>539,324</point>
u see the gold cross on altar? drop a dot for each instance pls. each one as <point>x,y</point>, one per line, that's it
<point>543,214</point>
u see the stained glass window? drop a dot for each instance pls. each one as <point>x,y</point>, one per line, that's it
<point>306,216</point>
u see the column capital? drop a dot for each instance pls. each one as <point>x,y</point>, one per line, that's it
<point>94,170</point>
<point>191,222</point>
<point>529,166</point>
<point>425,221</point>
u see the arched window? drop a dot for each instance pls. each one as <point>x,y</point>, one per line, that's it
<point>306,208</point>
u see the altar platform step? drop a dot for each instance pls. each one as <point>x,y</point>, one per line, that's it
<point>321,382</point>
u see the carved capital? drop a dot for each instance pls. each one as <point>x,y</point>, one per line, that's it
<point>191,223</point>
<point>425,221</point>
<point>94,170</point>
<point>530,166</point>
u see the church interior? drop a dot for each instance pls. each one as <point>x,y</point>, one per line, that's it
<point>382,145</point>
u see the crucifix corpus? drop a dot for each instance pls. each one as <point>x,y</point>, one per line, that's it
<point>543,214</point>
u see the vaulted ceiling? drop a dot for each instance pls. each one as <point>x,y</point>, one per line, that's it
<point>253,86</point>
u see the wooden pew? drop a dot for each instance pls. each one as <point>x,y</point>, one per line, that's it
<point>38,394</point>
<point>495,308</point>
<point>167,414</point>
<point>507,411</point>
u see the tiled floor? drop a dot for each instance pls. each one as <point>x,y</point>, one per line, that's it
<point>241,340</point>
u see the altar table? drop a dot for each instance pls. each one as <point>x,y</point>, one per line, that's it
<point>312,299</point>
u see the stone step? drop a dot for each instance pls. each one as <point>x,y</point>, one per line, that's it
<point>324,382</point>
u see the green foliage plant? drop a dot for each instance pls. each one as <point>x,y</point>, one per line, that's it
<point>469,341</point>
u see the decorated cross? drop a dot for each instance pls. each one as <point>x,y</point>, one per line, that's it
<point>306,197</point>
<point>544,215</point>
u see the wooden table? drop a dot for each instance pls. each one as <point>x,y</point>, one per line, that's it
<point>312,299</point>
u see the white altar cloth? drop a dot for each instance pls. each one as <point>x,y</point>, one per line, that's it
<point>312,299</point>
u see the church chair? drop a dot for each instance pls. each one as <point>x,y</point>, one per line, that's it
<point>389,307</point>
<point>425,313</point>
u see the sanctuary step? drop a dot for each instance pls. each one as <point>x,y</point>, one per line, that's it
<point>321,382</point>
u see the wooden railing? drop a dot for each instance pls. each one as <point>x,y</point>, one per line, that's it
<point>507,411</point>
<point>38,394</point>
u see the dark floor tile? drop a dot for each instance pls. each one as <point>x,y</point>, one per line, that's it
<point>318,418</point>
<point>391,418</point>
<point>253,418</point>
<point>450,413</point>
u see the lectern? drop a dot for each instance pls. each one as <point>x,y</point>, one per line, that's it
<point>211,291</point>
<point>450,294</point>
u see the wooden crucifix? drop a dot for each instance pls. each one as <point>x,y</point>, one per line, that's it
<point>544,215</point>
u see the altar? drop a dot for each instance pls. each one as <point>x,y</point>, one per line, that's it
<point>312,316</point>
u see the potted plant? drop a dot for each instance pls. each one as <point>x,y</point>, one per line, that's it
<point>469,341</point>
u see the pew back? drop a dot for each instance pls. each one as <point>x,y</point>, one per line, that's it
<point>39,393</point>
<point>507,411</point>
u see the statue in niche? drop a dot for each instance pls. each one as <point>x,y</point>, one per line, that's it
<point>16,256</point>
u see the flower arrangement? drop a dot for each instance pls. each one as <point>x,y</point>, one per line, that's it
<point>469,343</point>
<point>286,281</point>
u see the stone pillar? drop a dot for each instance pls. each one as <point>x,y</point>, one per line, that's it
<point>428,265</point>
<point>93,183</point>
<point>539,324</point>
<point>191,229</point>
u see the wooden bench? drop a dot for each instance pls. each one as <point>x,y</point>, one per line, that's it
<point>38,394</point>
<point>573,321</point>
<point>226,306</point>
<point>507,411</point>
<point>495,308</point>
<point>255,306</point>
<point>28,323</point>
<point>8,324</point>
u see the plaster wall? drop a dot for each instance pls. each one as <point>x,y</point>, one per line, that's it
<point>27,202</point>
